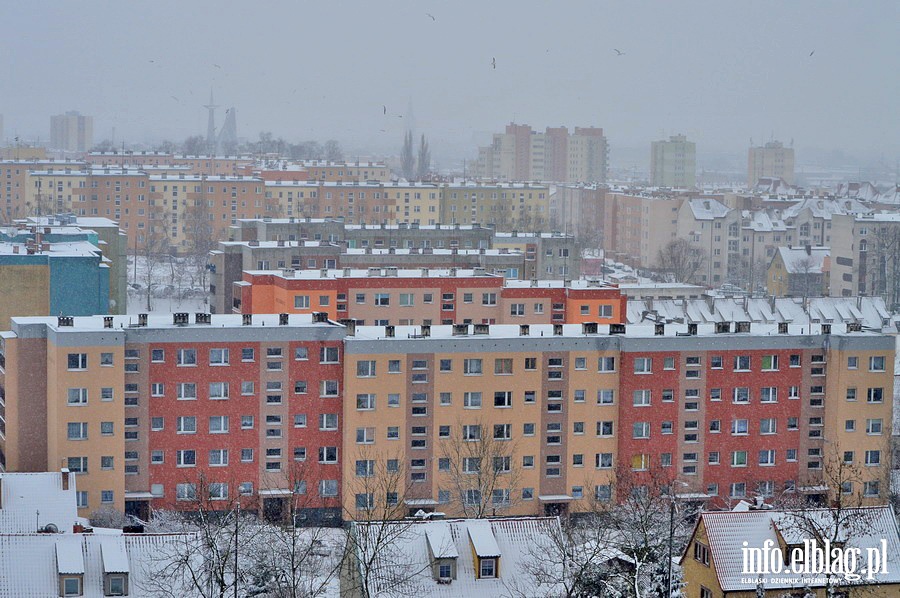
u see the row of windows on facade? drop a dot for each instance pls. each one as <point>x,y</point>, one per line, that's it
<point>187,391</point>
<point>218,424</point>
<point>606,396</point>
<point>767,458</point>
<point>743,363</point>
<point>217,356</point>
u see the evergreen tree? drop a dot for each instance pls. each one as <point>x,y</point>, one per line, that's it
<point>424,162</point>
<point>407,158</point>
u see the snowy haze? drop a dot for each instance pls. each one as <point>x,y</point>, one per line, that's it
<point>722,73</point>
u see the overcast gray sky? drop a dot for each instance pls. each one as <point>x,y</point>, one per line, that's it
<point>721,72</point>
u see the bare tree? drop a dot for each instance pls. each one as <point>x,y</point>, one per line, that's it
<point>682,260</point>
<point>807,277</point>
<point>883,263</point>
<point>424,161</point>
<point>375,560</point>
<point>477,461</point>
<point>155,252</point>
<point>332,151</point>
<point>201,235</point>
<point>407,157</point>
<point>195,145</point>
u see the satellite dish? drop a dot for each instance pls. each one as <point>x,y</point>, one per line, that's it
<point>51,528</point>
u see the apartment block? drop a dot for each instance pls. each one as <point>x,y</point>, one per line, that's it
<point>864,255</point>
<point>393,296</point>
<point>522,154</point>
<point>144,409</point>
<point>673,163</point>
<point>727,413</point>
<point>773,161</point>
<point>72,132</point>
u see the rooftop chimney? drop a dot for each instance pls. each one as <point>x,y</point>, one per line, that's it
<point>107,321</point>
<point>246,319</point>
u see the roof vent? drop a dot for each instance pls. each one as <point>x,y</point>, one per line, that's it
<point>142,320</point>
<point>283,319</point>
<point>181,318</point>
<point>557,329</point>
<point>659,329</point>
<point>390,331</point>
<point>692,328</point>
<point>782,327</point>
<point>826,328</point>
<point>524,330</point>
<point>854,327</point>
<point>202,318</point>
<point>65,321</point>
<point>590,328</point>
<point>722,327</point>
<point>319,317</point>
<point>460,329</point>
<point>246,319</point>
<point>482,329</point>
<point>426,330</point>
<point>742,327</point>
<point>617,328</point>
<point>107,321</point>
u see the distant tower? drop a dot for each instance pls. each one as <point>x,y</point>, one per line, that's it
<point>211,124</point>
<point>228,135</point>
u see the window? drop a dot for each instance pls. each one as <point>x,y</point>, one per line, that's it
<point>328,488</point>
<point>106,359</point>
<point>218,390</point>
<point>487,568</point>
<point>106,428</point>
<point>328,454</point>
<point>643,365</point>
<point>503,398</point>
<point>472,400</point>
<point>365,369</point>
<point>641,398</point>
<point>874,427</point>
<point>767,457</point>
<point>852,362</point>
<point>218,357</point>
<point>382,299</point>
<point>471,432</point>
<point>741,395</point>
<point>742,363</point>
<point>873,458</point>
<point>669,363</point>
<point>876,363</point>
<point>77,361</point>
<point>157,457</point>
<point>768,394</point>
<point>301,301</point>
<point>605,428</point>
<point>187,391</point>
<point>769,363</point>
<point>715,362</point>
<point>365,435</point>
<point>186,458</point>
<point>186,425</point>
<point>503,366</point>
<point>328,421</point>
<point>740,427</point>
<point>77,431</point>
<point>701,553</point>
<point>185,491</point>
<point>739,459</point>
<point>713,458</point>
<point>606,364</point>
<point>71,586</point>
<point>299,420</point>
<point>528,429</point>
<point>871,488</point>
<point>875,395</point>
<point>472,367</point>
<point>641,430</point>
<point>328,388</point>
<point>603,460</point>
<point>768,426</point>
<point>517,309</point>
<point>329,355</point>
<point>218,457</point>
<point>738,490</point>
<point>247,354</point>
<point>794,361</point>
<point>77,396</point>
<point>605,396</point>
<point>157,389</point>
<point>186,357</point>
<point>530,363</point>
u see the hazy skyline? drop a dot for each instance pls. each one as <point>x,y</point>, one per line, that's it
<point>720,73</point>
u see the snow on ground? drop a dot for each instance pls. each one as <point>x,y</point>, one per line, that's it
<point>174,286</point>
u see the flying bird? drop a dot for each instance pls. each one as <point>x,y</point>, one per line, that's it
<point>385,109</point>
<point>430,15</point>
<point>174,98</point>
<point>217,66</point>
<point>813,52</point>
<point>618,52</point>
<point>494,63</point>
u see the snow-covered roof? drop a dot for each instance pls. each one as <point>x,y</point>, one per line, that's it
<point>763,221</point>
<point>727,531</point>
<point>798,261</point>
<point>407,557</point>
<point>707,209</point>
<point>824,208</point>
<point>39,559</point>
<point>482,537</point>
<point>32,500</point>
<point>869,311</point>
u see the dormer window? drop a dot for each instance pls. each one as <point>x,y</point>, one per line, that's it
<point>488,568</point>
